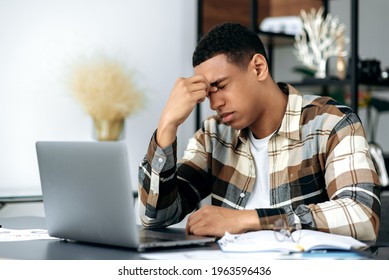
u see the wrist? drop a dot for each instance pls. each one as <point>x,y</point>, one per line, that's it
<point>166,134</point>
<point>250,221</point>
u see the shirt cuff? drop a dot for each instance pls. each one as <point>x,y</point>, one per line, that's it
<point>268,216</point>
<point>161,159</point>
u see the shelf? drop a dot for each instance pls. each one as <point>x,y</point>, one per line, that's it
<point>19,199</point>
<point>282,39</point>
<point>275,38</point>
<point>335,82</point>
<point>320,82</point>
<point>376,83</point>
<point>380,104</point>
<point>271,40</point>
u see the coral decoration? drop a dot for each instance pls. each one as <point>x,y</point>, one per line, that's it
<point>321,38</point>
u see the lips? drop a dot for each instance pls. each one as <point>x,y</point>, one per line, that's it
<point>227,117</point>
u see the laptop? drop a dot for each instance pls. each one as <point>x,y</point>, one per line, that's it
<point>87,196</point>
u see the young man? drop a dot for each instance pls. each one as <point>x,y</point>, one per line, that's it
<point>269,155</point>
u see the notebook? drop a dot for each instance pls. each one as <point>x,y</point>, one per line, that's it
<point>87,196</point>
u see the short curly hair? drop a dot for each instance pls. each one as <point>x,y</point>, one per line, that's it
<point>234,40</point>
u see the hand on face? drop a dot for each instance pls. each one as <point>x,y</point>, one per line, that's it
<point>186,93</point>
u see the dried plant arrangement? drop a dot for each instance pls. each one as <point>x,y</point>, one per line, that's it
<point>321,38</point>
<point>105,89</point>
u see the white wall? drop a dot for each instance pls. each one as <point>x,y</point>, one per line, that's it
<point>38,40</point>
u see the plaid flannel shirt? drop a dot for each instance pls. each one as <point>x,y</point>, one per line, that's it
<point>321,172</point>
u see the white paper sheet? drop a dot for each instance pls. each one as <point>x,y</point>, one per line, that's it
<point>209,255</point>
<point>7,235</point>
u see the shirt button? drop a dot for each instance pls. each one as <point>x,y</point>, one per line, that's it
<point>242,195</point>
<point>160,160</point>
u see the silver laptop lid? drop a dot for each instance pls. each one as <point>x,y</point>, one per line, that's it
<point>86,192</point>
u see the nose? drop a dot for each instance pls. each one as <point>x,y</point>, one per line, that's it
<point>215,100</point>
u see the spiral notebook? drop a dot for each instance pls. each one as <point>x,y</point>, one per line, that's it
<point>302,241</point>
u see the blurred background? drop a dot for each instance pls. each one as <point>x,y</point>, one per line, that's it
<point>41,39</point>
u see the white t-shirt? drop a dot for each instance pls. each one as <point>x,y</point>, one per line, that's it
<point>260,197</point>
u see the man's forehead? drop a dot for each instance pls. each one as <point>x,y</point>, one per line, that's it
<point>213,69</point>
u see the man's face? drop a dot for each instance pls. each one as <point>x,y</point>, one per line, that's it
<point>236,97</point>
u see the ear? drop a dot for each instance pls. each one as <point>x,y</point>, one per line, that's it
<point>259,66</point>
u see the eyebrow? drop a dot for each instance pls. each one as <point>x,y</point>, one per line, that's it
<point>218,81</point>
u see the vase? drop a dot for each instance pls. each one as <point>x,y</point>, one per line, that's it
<point>321,69</point>
<point>341,67</point>
<point>108,130</point>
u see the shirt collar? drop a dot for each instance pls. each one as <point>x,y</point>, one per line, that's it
<point>290,124</point>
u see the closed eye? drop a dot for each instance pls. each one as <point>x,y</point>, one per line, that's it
<point>219,84</point>
<point>217,88</point>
